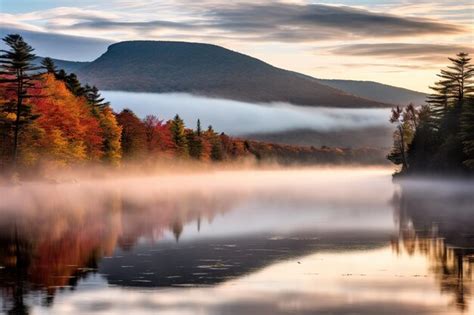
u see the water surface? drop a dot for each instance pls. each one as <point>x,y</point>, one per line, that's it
<point>328,241</point>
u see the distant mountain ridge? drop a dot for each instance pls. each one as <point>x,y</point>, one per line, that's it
<point>204,69</point>
<point>377,91</point>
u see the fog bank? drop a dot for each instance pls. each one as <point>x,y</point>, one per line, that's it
<point>237,118</point>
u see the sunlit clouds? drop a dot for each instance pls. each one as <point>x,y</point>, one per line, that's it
<point>302,35</point>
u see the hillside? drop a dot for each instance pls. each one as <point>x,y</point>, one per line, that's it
<point>150,66</point>
<point>377,91</point>
<point>68,66</point>
<point>173,72</point>
<point>375,137</point>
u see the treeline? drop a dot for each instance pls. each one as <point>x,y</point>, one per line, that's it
<point>438,138</point>
<point>49,120</point>
<point>47,117</point>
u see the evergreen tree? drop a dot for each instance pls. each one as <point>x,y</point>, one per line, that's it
<point>439,101</point>
<point>48,65</point>
<point>198,128</point>
<point>425,141</point>
<point>195,142</point>
<point>74,85</point>
<point>94,98</point>
<point>467,132</point>
<point>217,152</point>
<point>179,136</point>
<point>17,76</point>
<point>61,75</point>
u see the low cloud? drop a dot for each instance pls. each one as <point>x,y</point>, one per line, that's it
<point>59,46</point>
<point>237,118</point>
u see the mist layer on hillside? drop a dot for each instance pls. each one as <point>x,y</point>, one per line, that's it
<point>238,118</point>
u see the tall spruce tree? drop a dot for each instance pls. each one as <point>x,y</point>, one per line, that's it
<point>94,98</point>
<point>17,74</point>
<point>73,84</point>
<point>467,132</point>
<point>195,142</point>
<point>48,65</point>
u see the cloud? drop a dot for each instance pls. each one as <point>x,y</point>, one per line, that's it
<point>312,22</point>
<point>237,118</point>
<point>59,46</point>
<point>431,52</point>
<point>271,21</point>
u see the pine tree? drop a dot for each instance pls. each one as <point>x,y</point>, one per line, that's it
<point>467,132</point>
<point>198,128</point>
<point>74,85</point>
<point>195,142</point>
<point>17,76</point>
<point>94,98</point>
<point>48,65</point>
<point>217,153</point>
<point>179,136</point>
<point>439,101</point>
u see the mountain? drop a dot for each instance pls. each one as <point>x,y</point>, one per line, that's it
<point>369,137</point>
<point>68,66</point>
<point>377,91</point>
<point>157,66</point>
<point>148,66</point>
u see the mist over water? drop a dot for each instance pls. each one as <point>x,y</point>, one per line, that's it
<point>272,241</point>
<point>236,118</point>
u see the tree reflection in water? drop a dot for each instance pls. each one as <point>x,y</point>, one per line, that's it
<point>58,235</point>
<point>49,244</point>
<point>437,221</point>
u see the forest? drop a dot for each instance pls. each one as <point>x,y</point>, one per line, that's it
<point>50,121</point>
<point>438,138</point>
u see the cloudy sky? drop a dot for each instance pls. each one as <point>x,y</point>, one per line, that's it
<point>402,43</point>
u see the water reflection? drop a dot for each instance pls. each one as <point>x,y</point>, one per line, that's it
<point>307,241</point>
<point>437,221</point>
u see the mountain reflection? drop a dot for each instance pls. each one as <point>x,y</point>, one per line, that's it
<point>437,222</point>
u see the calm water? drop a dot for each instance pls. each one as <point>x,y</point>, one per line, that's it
<point>311,241</point>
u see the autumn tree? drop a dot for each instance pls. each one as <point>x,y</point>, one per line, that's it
<point>177,129</point>
<point>134,142</point>
<point>151,122</point>
<point>16,75</point>
<point>112,135</point>
<point>72,134</point>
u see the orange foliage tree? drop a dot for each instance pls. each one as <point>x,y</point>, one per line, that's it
<point>71,132</point>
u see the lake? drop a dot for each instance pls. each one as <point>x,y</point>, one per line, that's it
<point>274,241</point>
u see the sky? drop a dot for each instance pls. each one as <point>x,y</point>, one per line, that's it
<point>402,43</point>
